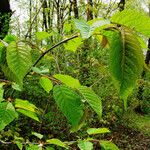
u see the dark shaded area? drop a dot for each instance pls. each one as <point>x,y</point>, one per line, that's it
<point>5,14</point>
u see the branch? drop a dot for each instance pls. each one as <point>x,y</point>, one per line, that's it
<point>61,42</point>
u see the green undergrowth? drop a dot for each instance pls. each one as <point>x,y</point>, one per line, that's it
<point>137,121</point>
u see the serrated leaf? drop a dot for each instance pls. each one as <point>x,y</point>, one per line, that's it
<point>133,19</point>
<point>7,114</point>
<point>92,99</point>
<point>108,145</point>
<point>24,104</point>
<point>68,80</point>
<point>91,131</point>
<point>69,103</point>
<point>46,84</point>
<point>126,61</point>
<point>29,114</point>
<point>57,142</point>
<point>72,45</point>
<point>85,145</point>
<point>19,60</point>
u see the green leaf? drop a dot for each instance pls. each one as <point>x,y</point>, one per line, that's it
<point>29,114</point>
<point>46,84</point>
<point>7,114</point>
<point>10,38</point>
<point>57,142</point>
<point>38,135</point>
<point>133,19</point>
<point>83,27</point>
<point>42,35</point>
<point>19,60</point>
<point>24,104</point>
<point>87,28</point>
<point>92,99</point>
<point>33,147</point>
<point>72,45</point>
<point>107,145</point>
<point>19,144</point>
<point>2,52</point>
<point>91,131</point>
<point>40,70</point>
<point>85,145</point>
<point>1,91</point>
<point>16,87</point>
<point>68,80</point>
<point>126,61</point>
<point>69,103</point>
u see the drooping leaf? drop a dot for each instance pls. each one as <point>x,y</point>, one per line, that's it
<point>91,131</point>
<point>57,142</point>
<point>92,99</point>
<point>133,19</point>
<point>7,114</point>
<point>72,45</point>
<point>68,80</point>
<point>108,145</point>
<point>18,59</point>
<point>69,103</point>
<point>126,61</point>
<point>85,145</point>
<point>46,84</point>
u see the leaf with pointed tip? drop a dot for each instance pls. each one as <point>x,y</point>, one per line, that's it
<point>126,61</point>
<point>7,114</point>
<point>69,103</point>
<point>46,84</point>
<point>19,60</point>
<point>92,99</point>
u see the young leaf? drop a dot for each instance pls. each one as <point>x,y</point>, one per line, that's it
<point>18,59</point>
<point>91,131</point>
<point>92,99</point>
<point>107,145</point>
<point>126,61</point>
<point>85,145</point>
<point>133,19</point>
<point>57,142</point>
<point>69,103</point>
<point>7,114</point>
<point>68,80</point>
<point>46,84</point>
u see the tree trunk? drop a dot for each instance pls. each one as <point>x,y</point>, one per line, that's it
<point>5,14</point>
